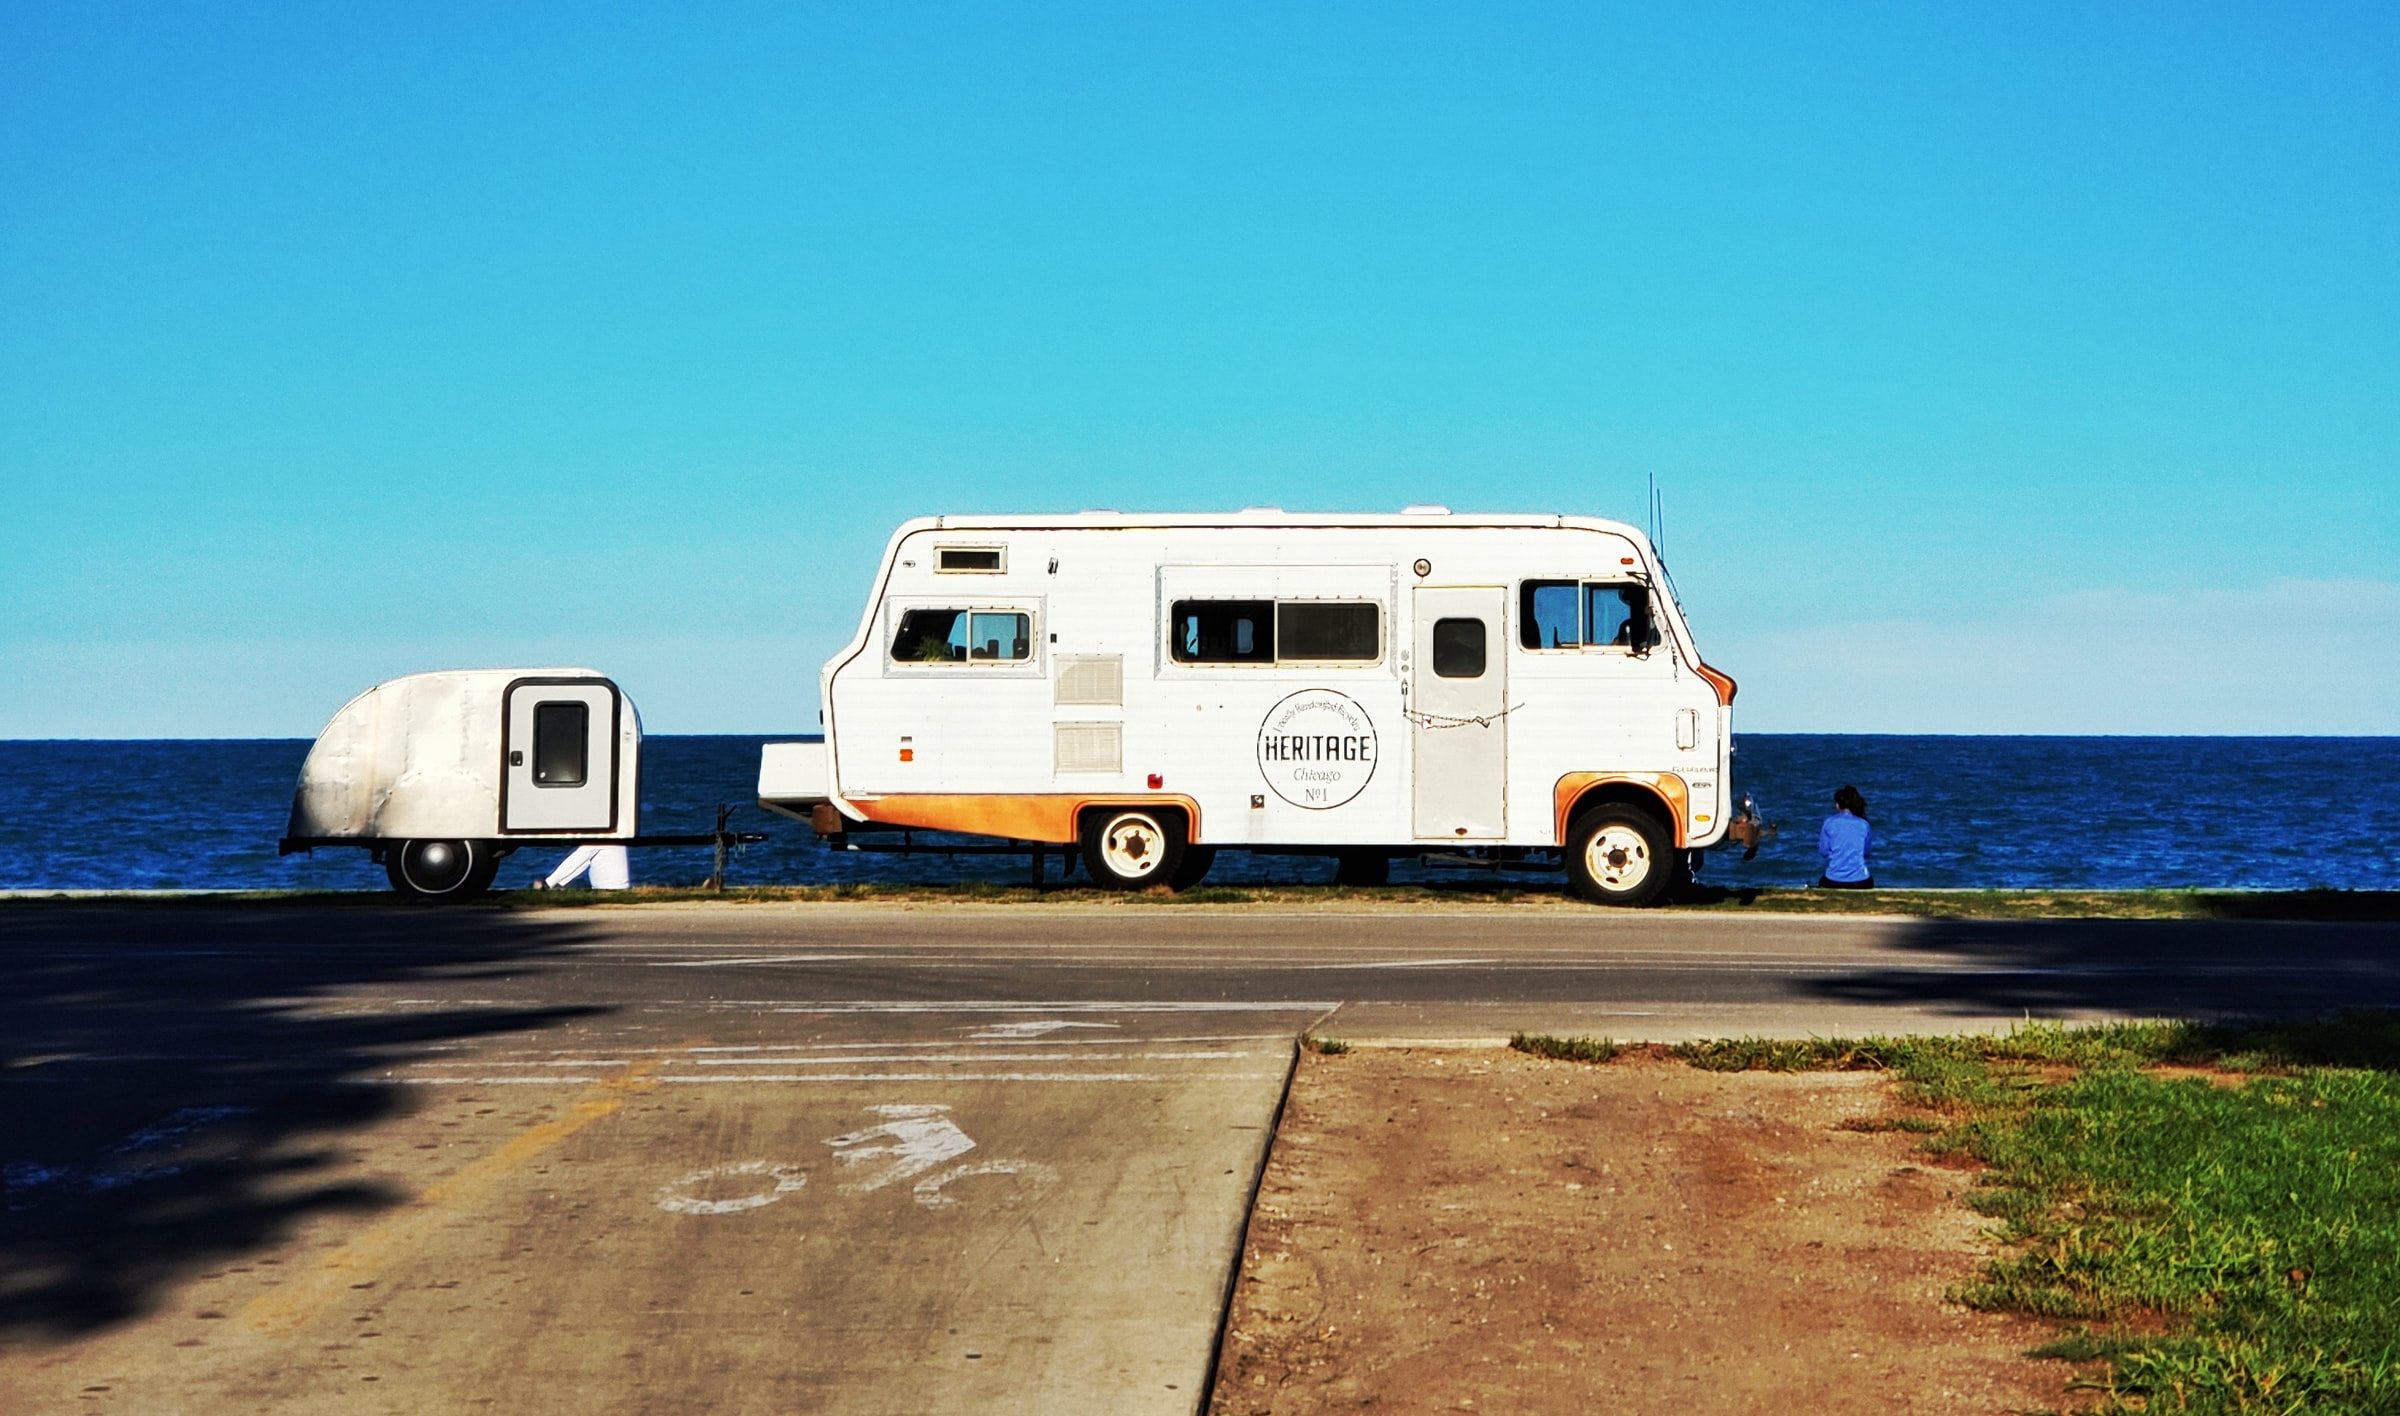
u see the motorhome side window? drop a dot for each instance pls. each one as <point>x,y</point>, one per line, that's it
<point>1276,632</point>
<point>963,636</point>
<point>1575,614</point>
<point>561,736</point>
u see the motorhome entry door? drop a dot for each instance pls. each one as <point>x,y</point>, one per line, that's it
<point>1457,685</point>
<point>560,759</point>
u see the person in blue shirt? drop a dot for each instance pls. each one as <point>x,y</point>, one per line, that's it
<point>1844,840</point>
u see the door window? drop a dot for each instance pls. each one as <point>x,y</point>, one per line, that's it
<point>1458,648</point>
<point>561,744</point>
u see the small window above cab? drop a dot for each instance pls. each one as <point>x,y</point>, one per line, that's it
<point>969,560</point>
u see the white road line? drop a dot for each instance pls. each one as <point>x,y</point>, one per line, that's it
<point>1389,964</point>
<point>568,1058</point>
<point>580,1062</point>
<point>743,959</point>
<point>794,1005</point>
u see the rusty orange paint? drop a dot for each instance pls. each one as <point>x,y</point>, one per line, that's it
<point>1722,682</point>
<point>1046,817</point>
<point>1668,787</point>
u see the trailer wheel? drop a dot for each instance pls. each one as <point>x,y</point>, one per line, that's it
<point>1196,861</point>
<point>1619,855</point>
<point>441,870</point>
<point>1128,849</point>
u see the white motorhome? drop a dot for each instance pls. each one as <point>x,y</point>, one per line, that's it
<point>1154,689</point>
<point>440,775</point>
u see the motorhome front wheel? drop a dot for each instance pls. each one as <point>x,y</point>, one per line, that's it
<point>1128,850</point>
<point>1617,855</point>
<point>441,870</point>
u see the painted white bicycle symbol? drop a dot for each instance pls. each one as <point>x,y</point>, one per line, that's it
<point>910,1143</point>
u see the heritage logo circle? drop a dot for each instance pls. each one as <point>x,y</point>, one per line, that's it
<point>1317,749</point>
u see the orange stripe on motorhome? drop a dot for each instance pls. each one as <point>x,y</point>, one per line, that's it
<point>1049,818</point>
<point>1669,788</point>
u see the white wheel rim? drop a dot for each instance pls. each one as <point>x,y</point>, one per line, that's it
<point>1133,846</point>
<point>1618,858</point>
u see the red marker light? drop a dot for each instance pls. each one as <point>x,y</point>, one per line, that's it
<point>1157,780</point>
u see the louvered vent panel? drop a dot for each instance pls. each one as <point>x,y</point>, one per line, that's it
<point>1089,747</point>
<point>1091,678</point>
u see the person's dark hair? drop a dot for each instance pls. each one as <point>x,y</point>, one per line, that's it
<point>1849,800</point>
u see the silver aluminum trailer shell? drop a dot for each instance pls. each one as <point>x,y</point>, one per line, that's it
<point>425,757</point>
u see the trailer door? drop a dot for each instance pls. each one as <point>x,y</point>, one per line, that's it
<point>1457,695</point>
<point>559,763</point>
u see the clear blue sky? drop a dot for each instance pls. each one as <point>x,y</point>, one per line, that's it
<point>2007,368</point>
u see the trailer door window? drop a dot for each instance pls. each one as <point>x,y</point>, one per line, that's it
<point>1328,632</point>
<point>961,636</point>
<point>1458,648</point>
<point>561,744</point>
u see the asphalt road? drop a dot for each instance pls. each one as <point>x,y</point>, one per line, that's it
<point>832,1158</point>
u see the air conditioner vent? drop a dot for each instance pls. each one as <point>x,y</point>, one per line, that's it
<point>1091,678</point>
<point>1088,747</point>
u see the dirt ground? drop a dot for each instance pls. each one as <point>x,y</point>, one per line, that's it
<point>1488,1231</point>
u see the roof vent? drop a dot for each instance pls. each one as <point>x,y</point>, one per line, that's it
<point>1425,509</point>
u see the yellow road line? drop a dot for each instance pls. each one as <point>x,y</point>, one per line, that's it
<point>295,1303</point>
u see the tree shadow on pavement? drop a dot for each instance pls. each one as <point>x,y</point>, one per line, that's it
<point>2203,969</point>
<point>176,1084</point>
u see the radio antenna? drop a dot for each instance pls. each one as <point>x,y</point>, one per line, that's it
<point>1658,539</point>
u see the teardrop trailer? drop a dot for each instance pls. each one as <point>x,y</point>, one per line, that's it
<point>1146,691</point>
<point>441,776</point>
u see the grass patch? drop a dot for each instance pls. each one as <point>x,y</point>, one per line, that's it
<point>1566,1049</point>
<point>2216,1207</point>
<point>1324,1046</point>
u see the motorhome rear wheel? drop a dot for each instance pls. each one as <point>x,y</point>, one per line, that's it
<point>1196,863</point>
<point>1619,855</point>
<point>1130,850</point>
<point>1362,868</point>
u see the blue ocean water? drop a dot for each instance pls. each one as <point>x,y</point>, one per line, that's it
<point>1974,812</point>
